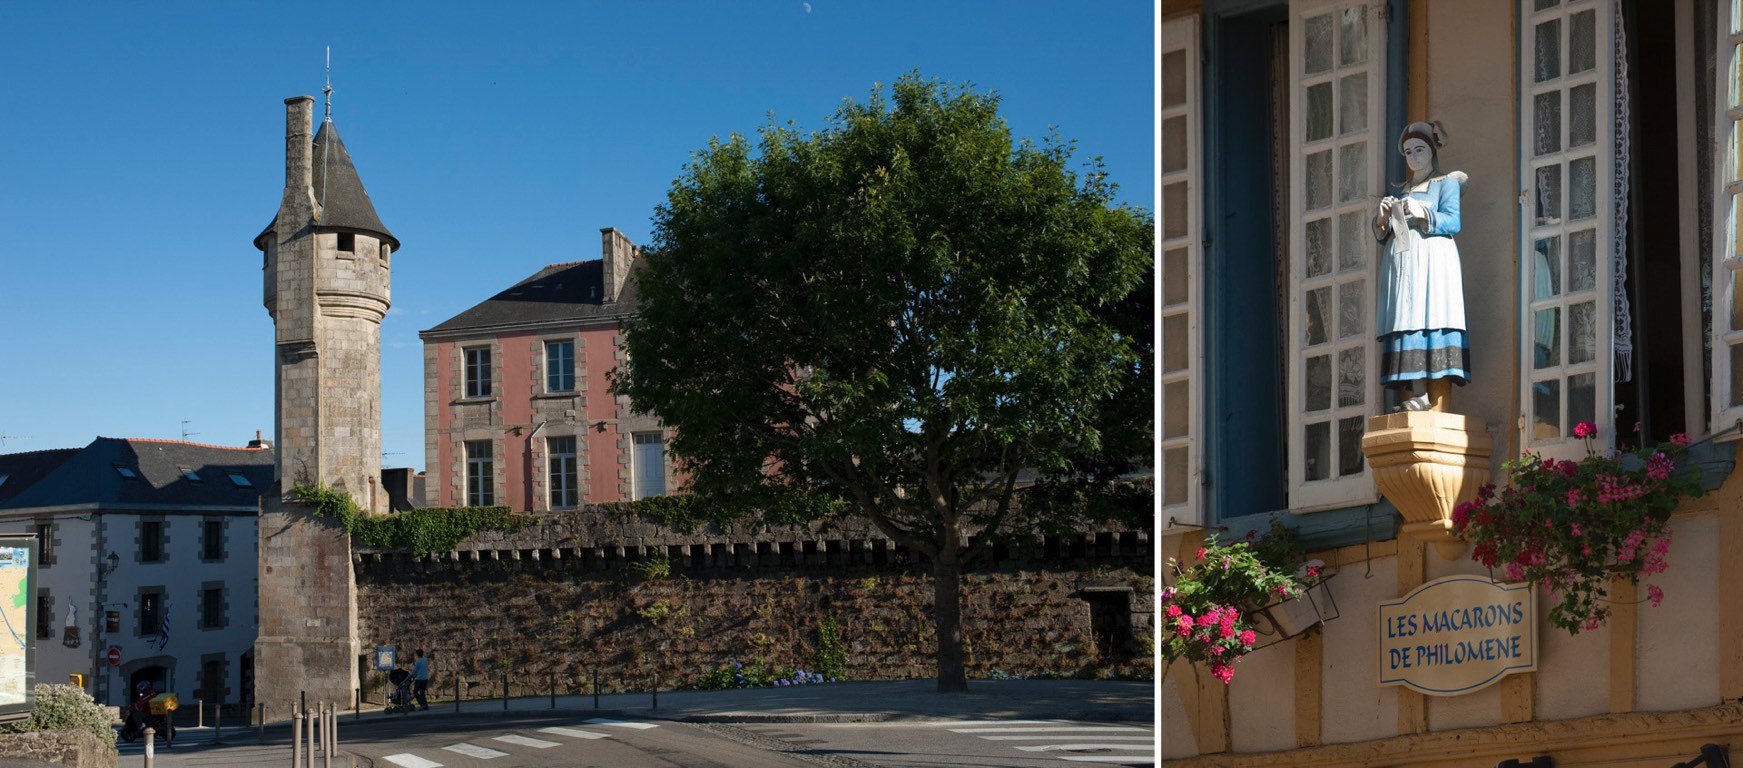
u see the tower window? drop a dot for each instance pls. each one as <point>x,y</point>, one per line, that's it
<point>559,366</point>
<point>478,372</point>
<point>347,242</point>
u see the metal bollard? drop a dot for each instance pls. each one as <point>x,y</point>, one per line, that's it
<point>505,691</point>
<point>359,706</point>
<point>656,690</point>
<point>261,734</point>
<point>199,713</point>
<point>330,722</point>
<point>310,752</point>
<point>456,694</point>
<point>553,690</point>
<point>150,743</point>
<point>217,724</point>
<point>595,688</point>
<point>296,739</point>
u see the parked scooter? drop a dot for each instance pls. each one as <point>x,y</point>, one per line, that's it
<point>139,715</point>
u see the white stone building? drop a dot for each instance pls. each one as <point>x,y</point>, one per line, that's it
<point>148,547</point>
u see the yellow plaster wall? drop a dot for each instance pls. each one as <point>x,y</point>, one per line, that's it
<point>1681,635</point>
<point>1176,732</point>
<point>1262,700</point>
<point>1470,90</point>
<point>1354,707</point>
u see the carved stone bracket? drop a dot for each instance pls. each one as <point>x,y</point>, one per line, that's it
<point>1427,462</point>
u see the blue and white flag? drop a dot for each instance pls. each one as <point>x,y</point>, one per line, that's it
<point>163,627</point>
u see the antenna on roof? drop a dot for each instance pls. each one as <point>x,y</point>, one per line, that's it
<point>329,89</point>
<point>185,433</point>
<point>4,438</point>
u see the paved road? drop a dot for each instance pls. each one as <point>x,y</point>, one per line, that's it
<point>959,743</point>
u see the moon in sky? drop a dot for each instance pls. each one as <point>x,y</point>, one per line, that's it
<point>807,7</point>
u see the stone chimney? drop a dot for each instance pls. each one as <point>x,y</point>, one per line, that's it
<point>619,254</point>
<point>299,155</point>
<point>259,442</point>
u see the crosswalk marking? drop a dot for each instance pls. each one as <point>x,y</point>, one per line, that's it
<point>408,760</point>
<point>1051,728</point>
<point>526,741</point>
<point>621,723</point>
<point>473,750</point>
<point>575,733</point>
<point>1109,759</point>
<point>1065,747</point>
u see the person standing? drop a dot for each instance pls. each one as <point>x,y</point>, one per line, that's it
<point>421,679</point>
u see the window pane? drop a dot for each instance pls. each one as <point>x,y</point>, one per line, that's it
<point>1582,343</point>
<point>1173,343</point>
<point>1318,44</point>
<point>1549,195</point>
<point>1318,316</point>
<point>1174,277</point>
<point>1355,240</point>
<point>1319,382</point>
<point>1319,180</point>
<point>1542,4</point>
<point>1174,144</point>
<point>1582,260</point>
<point>1582,44</point>
<point>1352,375</point>
<point>1736,227</point>
<point>1582,181</point>
<point>1737,301</point>
<point>1350,446</point>
<point>1174,476</point>
<point>1318,450</point>
<point>1174,210</point>
<point>1548,50</point>
<point>1318,248</point>
<point>1353,179</point>
<point>1582,115</point>
<point>1175,410</point>
<point>1353,36</point>
<point>1352,309</point>
<point>1582,398</point>
<point>1546,344</point>
<point>1319,111</point>
<point>1546,271</point>
<point>1546,123</point>
<point>1736,374</point>
<point>1353,103</point>
<point>1546,409</point>
<point>1173,78</point>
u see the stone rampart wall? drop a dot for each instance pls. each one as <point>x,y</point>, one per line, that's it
<point>588,593</point>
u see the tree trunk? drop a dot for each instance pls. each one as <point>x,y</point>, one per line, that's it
<point>947,610</point>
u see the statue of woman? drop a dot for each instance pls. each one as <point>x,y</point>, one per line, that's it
<point>1421,314</point>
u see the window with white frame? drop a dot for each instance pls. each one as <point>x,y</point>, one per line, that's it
<point>1180,250</point>
<point>560,366</point>
<point>480,473</point>
<point>1337,157</point>
<point>1566,143</point>
<point>649,464</point>
<point>563,472</point>
<point>1727,269</point>
<point>478,372</point>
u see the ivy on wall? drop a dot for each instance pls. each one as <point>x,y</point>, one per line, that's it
<point>421,531</point>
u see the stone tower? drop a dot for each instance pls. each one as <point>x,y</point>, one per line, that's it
<point>326,281</point>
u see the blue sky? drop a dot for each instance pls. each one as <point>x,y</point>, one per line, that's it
<point>141,150</point>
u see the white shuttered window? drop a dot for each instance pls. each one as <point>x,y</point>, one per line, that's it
<point>1727,391</point>
<point>1182,258</point>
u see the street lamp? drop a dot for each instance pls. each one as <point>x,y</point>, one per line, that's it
<point>110,563</point>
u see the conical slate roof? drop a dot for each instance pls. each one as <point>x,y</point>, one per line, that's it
<point>345,205</point>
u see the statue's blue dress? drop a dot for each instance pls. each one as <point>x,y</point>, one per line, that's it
<point>1421,315</point>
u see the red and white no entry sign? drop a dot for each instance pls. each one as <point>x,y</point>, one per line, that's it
<point>114,656</point>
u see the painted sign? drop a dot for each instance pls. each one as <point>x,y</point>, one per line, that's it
<point>1458,634</point>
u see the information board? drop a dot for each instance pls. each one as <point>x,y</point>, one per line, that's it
<point>18,614</point>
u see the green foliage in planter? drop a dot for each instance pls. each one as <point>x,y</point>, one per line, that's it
<point>420,531</point>
<point>63,707</point>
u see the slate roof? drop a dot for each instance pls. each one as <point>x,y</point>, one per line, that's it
<point>89,476</point>
<point>345,205</point>
<point>23,470</point>
<point>556,294</point>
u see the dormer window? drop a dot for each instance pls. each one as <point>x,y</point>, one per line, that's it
<point>347,242</point>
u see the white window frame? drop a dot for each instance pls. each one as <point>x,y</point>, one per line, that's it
<point>1182,35</point>
<point>1602,365</point>
<point>565,478</point>
<point>548,345</point>
<point>480,490</point>
<point>1335,490</point>
<point>1727,229</point>
<point>638,465</point>
<point>481,386</point>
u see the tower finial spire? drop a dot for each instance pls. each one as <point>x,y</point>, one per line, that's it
<point>329,89</point>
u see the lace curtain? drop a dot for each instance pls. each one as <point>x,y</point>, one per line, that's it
<point>1624,336</point>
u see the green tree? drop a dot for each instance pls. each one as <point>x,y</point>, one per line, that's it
<point>902,316</point>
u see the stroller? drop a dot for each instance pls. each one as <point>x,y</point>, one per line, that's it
<point>401,698</point>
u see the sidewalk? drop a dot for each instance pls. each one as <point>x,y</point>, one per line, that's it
<point>1094,700</point>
